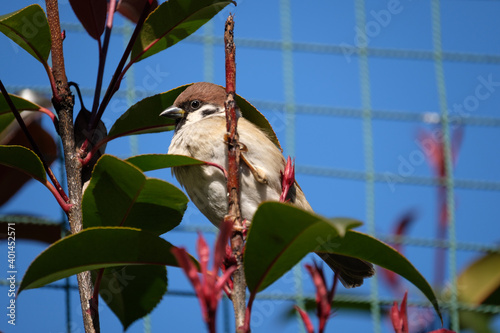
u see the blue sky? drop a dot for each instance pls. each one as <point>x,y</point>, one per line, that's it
<point>328,140</point>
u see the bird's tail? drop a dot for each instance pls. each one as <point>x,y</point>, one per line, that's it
<point>351,271</point>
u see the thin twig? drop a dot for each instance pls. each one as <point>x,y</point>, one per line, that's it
<point>103,51</point>
<point>84,161</point>
<point>233,181</point>
<point>114,85</point>
<point>64,205</point>
<point>49,113</point>
<point>33,143</point>
<point>63,103</point>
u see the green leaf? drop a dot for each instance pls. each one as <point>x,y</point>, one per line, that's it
<point>281,235</point>
<point>362,246</point>
<point>132,292</point>
<point>29,29</point>
<point>274,248</point>
<point>171,22</point>
<point>20,104</point>
<point>96,248</point>
<point>144,116</point>
<point>23,159</point>
<point>148,162</point>
<point>119,194</point>
<point>5,121</point>
<point>480,281</point>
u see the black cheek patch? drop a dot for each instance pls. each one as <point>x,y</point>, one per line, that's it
<point>179,123</point>
<point>208,112</point>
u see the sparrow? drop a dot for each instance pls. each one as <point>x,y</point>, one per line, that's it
<point>200,132</point>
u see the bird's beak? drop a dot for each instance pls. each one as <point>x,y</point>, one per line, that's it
<point>173,112</point>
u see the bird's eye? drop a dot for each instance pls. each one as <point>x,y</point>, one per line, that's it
<point>195,104</point>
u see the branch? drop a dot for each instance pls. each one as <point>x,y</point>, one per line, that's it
<point>233,181</point>
<point>63,103</point>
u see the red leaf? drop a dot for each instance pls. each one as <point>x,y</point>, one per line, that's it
<point>305,318</point>
<point>433,145</point>
<point>403,223</point>
<point>399,317</point>
<point>331,293</point>
<point>287,179</point>
<point>203,254</point>
<point>132,9</point>
<point>456,142</point>
<point>209,289</point>
<point>189,268</point>
<point>322,294</point>
<point>92,15</point>
<point>400,230</point>
<point>222,280</point>
<point>404,314</point>
<point>226,228</point>
<point>433,148</point>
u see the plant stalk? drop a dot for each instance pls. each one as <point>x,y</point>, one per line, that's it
<point>233,181</point>
<point>63,104</point>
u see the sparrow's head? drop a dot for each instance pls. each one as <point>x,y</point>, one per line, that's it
<point>198,101</point>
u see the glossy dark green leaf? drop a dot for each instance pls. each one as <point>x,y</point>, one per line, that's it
<point>281,235</point>
<point>5,120</point>
<point>274,248</point>
<point>171,22</point>
<point>91,14</point>
<point>119,194</point>
<point>29,29</point>
<point>480,281</point>
<point>20,104</point>
<point>249,112</point>
<point>148,162</point>
<point>133,291</point>
<point>23,159</point>
<point>96,248</point>
<point>144,116</point>
<point>359,245</point>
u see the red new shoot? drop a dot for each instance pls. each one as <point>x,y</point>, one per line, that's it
<point>324,298</point>
<point>209,286</point>
<point>287,180</point>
